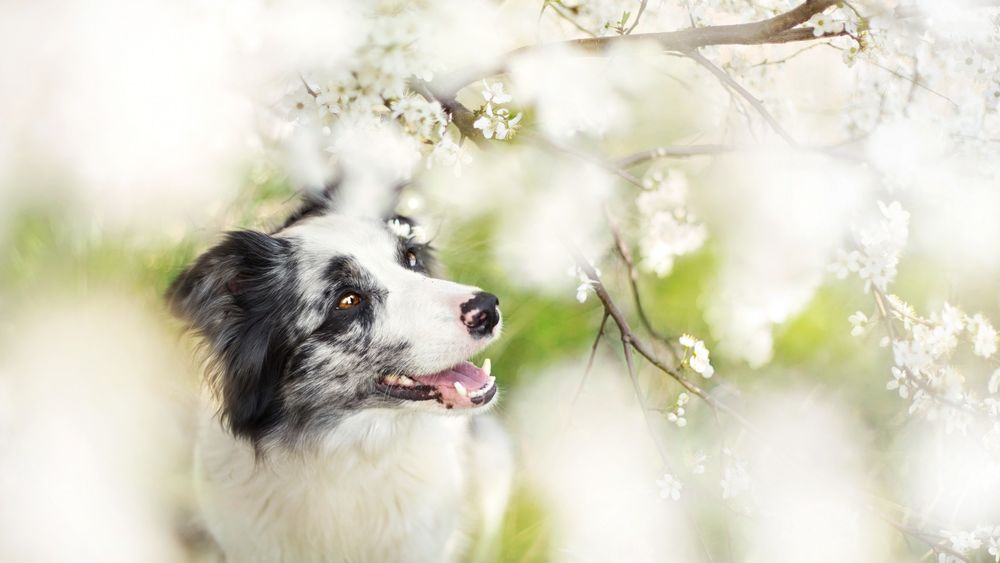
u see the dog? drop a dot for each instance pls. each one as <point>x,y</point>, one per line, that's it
<point>346,423</point>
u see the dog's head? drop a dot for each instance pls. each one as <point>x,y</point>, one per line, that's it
<point>330,315</point>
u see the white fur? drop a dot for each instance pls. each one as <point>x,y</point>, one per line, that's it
<point>387,485</point>
<point>417,305</point>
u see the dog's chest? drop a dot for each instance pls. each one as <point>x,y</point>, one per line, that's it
<point>384,490</point>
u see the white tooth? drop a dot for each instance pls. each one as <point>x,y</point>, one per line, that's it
<point>461,389</point>
<point>392,379</point>
<point>493,381</point>
<point>403,380</point>
<point>487,366</point>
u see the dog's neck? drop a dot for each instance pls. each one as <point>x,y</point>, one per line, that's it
<point>376,433</point>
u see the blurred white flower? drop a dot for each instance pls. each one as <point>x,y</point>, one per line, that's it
<point>963,542</point>
<point>984,336</point>
<point>698,360</point>
<point>881,246</point>
<point>670,487</point>
<point>735,477</point>
<point>449,153</point>
<point>994,384</point>
<point>994,547</point>
<point>667,228</point>
<point>898,381</point>
<point>698,466</point>
<point>859,322</point>
<point>586,284</point>
<point>572,94</point>
<point>494,93</point>
<point>404,230</point>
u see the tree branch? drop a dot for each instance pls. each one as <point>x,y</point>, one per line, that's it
<point>633,277</point>
<point>644,349</point>
<point>461,116</point>
<point>727,80</point>
<point>774,30</point>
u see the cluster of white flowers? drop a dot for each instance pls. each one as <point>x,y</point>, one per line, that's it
<point>676,414</point>
<point>373,87</point>
<point>696,356</point>
<point>670,487</point>
<point>967,543</point>
<point>923,347</point>
<point>880,247</point>
<point>492,119</point>
<point>943,57</point>
<point>668,228</point>
<point>922,350</point>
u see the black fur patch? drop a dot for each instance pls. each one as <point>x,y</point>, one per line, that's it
<point>231,296</point>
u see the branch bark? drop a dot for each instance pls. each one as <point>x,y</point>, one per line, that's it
<point>774,30</point>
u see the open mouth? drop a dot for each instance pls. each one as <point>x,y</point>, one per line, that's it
<point>463,386</point>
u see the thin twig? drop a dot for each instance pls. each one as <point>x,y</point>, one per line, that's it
<point>638,15</point>
<point>590,359</point>
<point>645,350</point>
<point>633,277</point>
<point>727,80</point>
<point>309,89</point>
<point>461,116</point>
<point>634,378</point>
<point>674,152</point>
<point>609,166</point>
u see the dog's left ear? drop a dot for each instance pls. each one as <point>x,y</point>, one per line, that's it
<point>229,296</point>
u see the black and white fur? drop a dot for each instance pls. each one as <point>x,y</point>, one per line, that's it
<point>305,457</point>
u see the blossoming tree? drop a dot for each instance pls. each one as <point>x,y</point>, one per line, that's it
<point>914,80</point>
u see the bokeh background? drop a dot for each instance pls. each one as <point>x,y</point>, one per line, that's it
<point>135,133</point>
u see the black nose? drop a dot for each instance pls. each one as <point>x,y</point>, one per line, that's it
<point>481,314</point>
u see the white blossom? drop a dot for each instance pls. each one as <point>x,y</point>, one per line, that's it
<point>586,284</point>
<point>962,541</point>
<point>450,154</point>
<point>859,322</point>
<point>698,359</point>
<point>984,336</point>
<point>494,93</point>
<point>898,381</point>
<point>497,123</point>
<point>676,414</point>
<point>670,487</point>
<point>668,229</point>
<point>881,246</point>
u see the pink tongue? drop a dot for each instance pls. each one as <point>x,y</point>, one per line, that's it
<point>465,373</point>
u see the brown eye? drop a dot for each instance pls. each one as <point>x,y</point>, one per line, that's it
<point>411,259</point>
<point>349,301</point>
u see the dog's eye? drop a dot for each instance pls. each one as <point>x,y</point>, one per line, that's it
<point>411,259</point>
<point>348,301</point>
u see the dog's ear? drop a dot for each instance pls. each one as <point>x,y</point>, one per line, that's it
<point>234,297</point>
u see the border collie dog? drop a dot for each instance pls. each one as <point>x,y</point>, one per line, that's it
<point>341,426</point>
